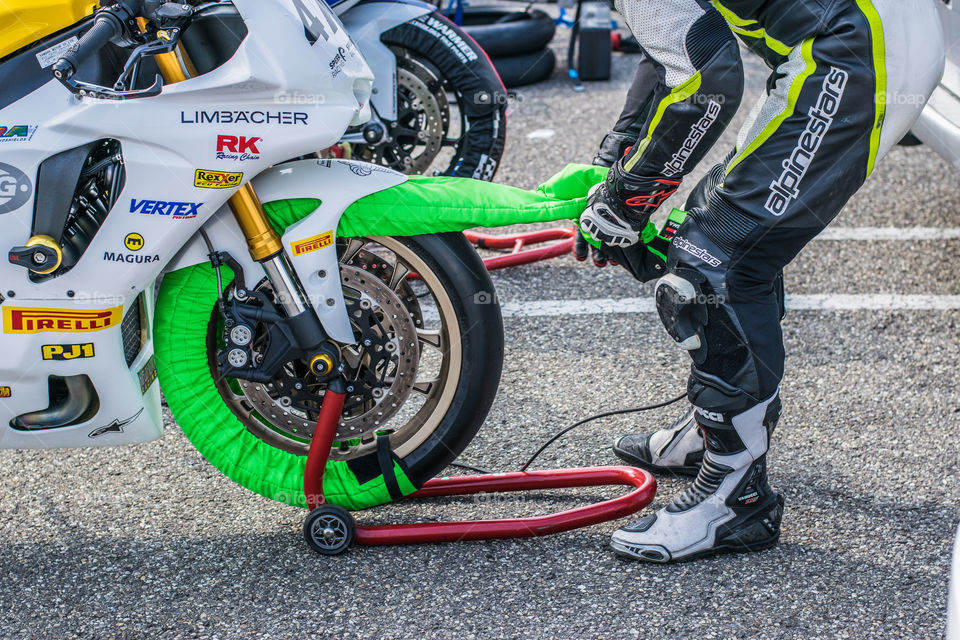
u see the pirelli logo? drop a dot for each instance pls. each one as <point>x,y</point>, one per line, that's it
<point>34,320</point>
<point>6,392</point>
<point>216,179</point>
<point>315,243</point>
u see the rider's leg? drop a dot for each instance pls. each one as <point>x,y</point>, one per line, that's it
<point>811,146</point>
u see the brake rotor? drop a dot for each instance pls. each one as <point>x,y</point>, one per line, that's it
<point>415,139</point>
<point>380,370</point>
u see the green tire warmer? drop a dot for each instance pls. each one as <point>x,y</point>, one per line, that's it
<point>421,205</point>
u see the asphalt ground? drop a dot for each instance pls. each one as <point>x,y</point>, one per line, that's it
<point>151,541</point>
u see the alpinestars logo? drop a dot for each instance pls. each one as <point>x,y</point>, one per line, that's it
<point>786,188</point>
<point>699,130</point>
<point>685,245</point>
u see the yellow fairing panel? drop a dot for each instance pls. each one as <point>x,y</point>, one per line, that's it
<point>25,21</point>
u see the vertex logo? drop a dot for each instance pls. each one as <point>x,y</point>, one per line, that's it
<point>177,210</point>
<point>217,179</point>
<point>36,320</point>
<point>315,243</point>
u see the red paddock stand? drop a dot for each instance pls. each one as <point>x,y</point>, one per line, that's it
<point>330,529</point>
<point>562,239</point>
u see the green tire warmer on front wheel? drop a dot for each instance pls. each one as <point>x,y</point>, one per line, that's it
<point>188,297</point>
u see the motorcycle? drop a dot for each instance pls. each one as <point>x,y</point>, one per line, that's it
<point>439,106</point>
<point>939,124</point>
<point>148,141</point>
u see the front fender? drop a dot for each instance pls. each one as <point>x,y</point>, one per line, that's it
<point>327,188</point>
<point>365,23</point>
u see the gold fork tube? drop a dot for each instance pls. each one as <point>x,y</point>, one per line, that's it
<point>262,241</point>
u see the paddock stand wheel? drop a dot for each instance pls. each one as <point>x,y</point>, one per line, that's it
<point>329,530</point>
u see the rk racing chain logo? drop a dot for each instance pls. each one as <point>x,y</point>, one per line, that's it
<point>216,179</point>
<point>699,130</point>
<point>66,352</point>
<point>17,133</point>
<point>309,245</point>
<point>239,148</point>
<point>176,210</point>
<point>685,245</point>
<point>15,188</point>
<point>786,188</point>
<point>36,320</point>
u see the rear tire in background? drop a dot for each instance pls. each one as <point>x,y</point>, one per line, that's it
<point>509,33</point>
<point>530,68</point>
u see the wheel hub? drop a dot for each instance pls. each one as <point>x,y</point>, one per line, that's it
<point>380,369</point>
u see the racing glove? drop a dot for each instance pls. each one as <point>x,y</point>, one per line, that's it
<point>619,208</point>
<point>646,259</point>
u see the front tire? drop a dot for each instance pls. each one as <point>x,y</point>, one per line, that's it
<point>267,456</point>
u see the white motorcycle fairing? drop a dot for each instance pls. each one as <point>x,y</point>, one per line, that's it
<point>366,22</point>
<point>310,243</point>
<point>165,141</point>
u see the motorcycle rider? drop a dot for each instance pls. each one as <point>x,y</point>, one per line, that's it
<point>835,104</point>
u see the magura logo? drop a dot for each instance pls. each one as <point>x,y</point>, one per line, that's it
<point>36,320</point>
<point>66,352</point>
<point>134,242</point>
<point>176,210</point>
<point>17,133</point>
<point>15,188</point>
<point>238,148</point>
<point>315,243</point>
<point>217,179</point>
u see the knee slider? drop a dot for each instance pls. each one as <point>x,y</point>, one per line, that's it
<point>681,308</point>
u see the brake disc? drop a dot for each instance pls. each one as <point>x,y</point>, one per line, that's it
<point>380,370</point>
<point>415,139</point>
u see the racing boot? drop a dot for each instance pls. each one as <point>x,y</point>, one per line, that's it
<point>676,450</point>
<point>729,507</point>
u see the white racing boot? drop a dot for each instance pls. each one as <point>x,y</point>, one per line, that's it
<point>676,450</point>
<point>729,507</point>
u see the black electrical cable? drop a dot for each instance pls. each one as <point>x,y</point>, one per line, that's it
<point>567,430</point>
<point>608,414</point>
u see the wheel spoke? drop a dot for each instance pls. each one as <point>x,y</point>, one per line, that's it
<point>425,387</point>
<point>353,248</point>
<point>432,338</point>
<point>399,275</point>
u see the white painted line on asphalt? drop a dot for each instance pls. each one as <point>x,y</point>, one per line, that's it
<point>834,302</point>
<point>541,134</point>
<point>890,233</point>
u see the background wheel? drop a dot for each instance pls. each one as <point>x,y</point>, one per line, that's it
<point>446,64</point>
<point>329,530</point>
<point>509,33</point>
<point>530,68</point>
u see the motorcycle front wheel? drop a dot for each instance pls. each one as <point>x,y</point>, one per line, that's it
<point>421,377</point>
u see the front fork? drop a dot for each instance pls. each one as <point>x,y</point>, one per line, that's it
<point>263,242</point>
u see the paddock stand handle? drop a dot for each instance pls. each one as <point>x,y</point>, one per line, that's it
<point>323,436</point>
